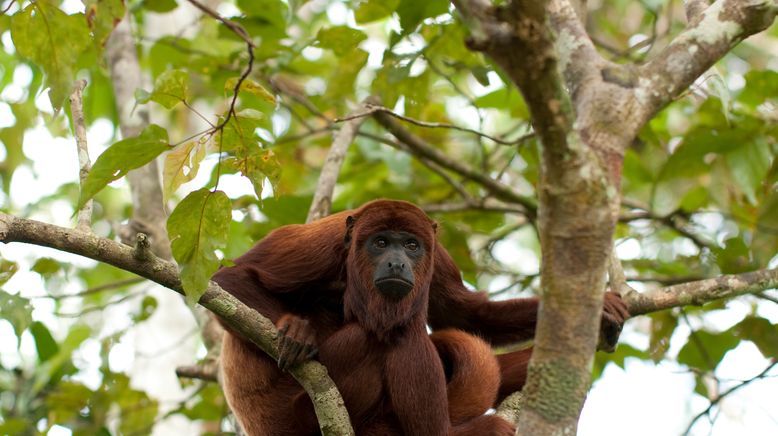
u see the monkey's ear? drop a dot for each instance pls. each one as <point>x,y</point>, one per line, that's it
<point>350,221</point>
<point>435,227</point>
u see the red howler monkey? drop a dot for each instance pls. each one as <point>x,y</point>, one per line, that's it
<point>298,276</point>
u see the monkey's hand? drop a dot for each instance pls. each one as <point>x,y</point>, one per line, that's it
<point>296,341</point>
<point>614,313</point>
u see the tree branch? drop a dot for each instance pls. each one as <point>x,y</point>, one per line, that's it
<point>701,291</point>
<point>422,148</point>
<point>578,191</point>
<point>322,198</point>
<point>708,38</point>
<point>84,222</point>
<point>328,404</point>
<point>578,58</point>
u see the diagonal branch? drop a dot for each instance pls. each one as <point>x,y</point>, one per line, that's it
<point>322,198</point>
<point>708,38</point>
<point>330,411</point>
<point>422,148</point>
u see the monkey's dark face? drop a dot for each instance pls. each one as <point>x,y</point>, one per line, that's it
<point>394,255</point>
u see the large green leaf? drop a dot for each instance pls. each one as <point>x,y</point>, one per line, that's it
<point>240,139</point>
<point>122,157</point>
<point>60,364</point>
<point>749,165</point>
<point>16,310</point>
<point>761,332</point>
<point>170,88</point>
<point>412,12</point>
<point>44,343</point>
<point>198,227</point>
<point>103,16</point>
<point>259,165</point>
<point>7,270</point>
<point>53,40</point>
<point>704,350</point>
<point>251,87</point>
<point>765,242</point>
<point>340,39</point>
<point>272,12</point>
<point>760,85</point>
<point>373,10</point>
<point>67,401</point>
<point>663,325</point>
<point>181,166</point>
<point>160,5</point>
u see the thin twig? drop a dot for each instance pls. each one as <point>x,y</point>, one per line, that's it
<point>94,290</point>
<point>11,3</point>
<point>84,222</point>
<point>724,394</point>
<point>420,147</point>
<point>83,312</point>
<point>373,109</point>
<point>238,30</point>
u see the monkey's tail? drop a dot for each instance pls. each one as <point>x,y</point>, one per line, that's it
<point>472,373</point>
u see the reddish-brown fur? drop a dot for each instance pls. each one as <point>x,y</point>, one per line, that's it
<point>299,272</point>
<point>384,363</point>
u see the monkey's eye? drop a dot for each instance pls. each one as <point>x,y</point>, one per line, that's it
<point>411,245</point>
<point>380,243</point>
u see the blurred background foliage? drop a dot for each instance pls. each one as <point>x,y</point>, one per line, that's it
<point>700,184</point>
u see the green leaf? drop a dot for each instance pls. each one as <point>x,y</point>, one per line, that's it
<point>257,166</point>
<point>342,78</point>
<point>181,165</point>
<point>142,96</point>
<point>53,40</point>
<point>121,157</point>
<point>239,134</point>
<point>16,426</point>
<point>505,98</point>
<point>340,39</point>
<point>749,165</point>
<point>159,5</point>
<point>760,86</point>
<point>16,310</point>
<point>704,350</point>
<point>210,405</point>
<point>46,266</point>
<point>66,401</point>
<point>412,12</point>
<point>761,332</point>
<point>147,307</point>
<point>272,12</point>
<point>7,270</point>
<point>373,10</point>
<point>103,16</point>
<point>618,357</point>
<point>718,87</point>
<point>171,88</point>
<point>663,325</point>
<point>251,87</point>
<point>765,238</point>
<point>734,257</point>
<point>44,343</point>
<point>198,227</point>
<point>57,365</point>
